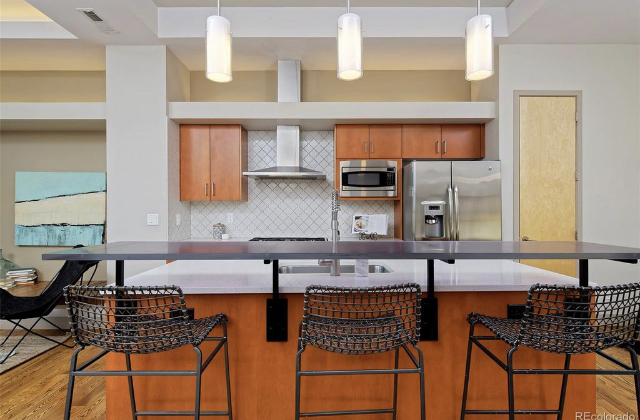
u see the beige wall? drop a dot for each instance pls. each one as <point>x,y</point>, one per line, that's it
<point>324,86</point>
<point>42,151</point>
<point>52,86</point>
<point>247,86</point>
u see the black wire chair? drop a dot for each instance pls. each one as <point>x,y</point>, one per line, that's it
<point>361,321</point>
<point>15,309</point>
<point>563,320</point>
<point>141,320</point>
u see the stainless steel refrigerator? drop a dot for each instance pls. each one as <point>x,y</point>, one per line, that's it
<point>467,193</point>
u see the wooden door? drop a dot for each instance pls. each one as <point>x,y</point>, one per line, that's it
<point>194,163</point>
<point>462,141</point>
<point>352,141</point>
<point>547,174</point>
<point>228,161</point>
<point>421,141</point>
<point>385,141</point>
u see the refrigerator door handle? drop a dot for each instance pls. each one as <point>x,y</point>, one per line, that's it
<point>450,205</point>
<point>457,210</point>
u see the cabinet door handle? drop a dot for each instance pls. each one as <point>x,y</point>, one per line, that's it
<point>366,150</point>
<point>213,191</point>
<point>437,147</point>
<point>373,146</point>
<point>206,189</point>
<point>445,147</point>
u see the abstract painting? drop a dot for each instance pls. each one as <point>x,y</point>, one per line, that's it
<point>60,208</point>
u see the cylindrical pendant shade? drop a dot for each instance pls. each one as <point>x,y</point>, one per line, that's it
<point>349,47</point>
<point>479,48</point>
<point>218,49</point>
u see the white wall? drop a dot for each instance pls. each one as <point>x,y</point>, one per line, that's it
<point>136,146</point>
<point>609,78</point>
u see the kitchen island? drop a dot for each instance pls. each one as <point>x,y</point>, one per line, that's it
<point>263,372</point>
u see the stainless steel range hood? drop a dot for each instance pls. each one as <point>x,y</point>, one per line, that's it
<point>287,136</point>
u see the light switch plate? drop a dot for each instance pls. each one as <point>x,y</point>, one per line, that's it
<point>152,220</point>
<point>178,219</point>
<point>229,217</point>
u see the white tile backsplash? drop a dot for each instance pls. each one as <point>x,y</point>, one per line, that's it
<point>285,207</point>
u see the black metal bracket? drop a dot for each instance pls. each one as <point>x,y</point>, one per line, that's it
<point>119,273</point>
<point>583,273</point>
<point>277,308</point>
<point>429,308</point>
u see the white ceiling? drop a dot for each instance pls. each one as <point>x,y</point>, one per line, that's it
<point>331,3</point>
<point>386,47</point>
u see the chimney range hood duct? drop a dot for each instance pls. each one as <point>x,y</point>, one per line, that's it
<point>287,136</point>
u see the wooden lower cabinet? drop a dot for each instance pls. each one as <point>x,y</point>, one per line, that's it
<point>263,373</point>
<point>212,160</point>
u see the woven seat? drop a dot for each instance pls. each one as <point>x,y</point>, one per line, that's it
<point>562,320</point>
<point>359,321</point>
<point>141,320</point>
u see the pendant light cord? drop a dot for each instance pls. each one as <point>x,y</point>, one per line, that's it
<point>348,5</point>
<point>219,6</point>
<point>478,10</point>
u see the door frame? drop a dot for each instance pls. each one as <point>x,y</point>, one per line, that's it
<point>517,94</point>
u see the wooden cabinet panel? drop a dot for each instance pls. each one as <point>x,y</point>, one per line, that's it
<point>385,141</point>
<point>421,141</point>
<point>194,163</point>
<point>352,141</point>
<point>462,141</point>
<point>228,161</point>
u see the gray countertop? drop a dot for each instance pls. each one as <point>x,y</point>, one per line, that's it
<point>476,250</point>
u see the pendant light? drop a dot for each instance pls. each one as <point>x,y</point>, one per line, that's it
<point>218,48</point>
<point>479,47</point>
<point>349,45</point>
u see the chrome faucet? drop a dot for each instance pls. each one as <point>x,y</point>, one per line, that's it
<point>335,234</point>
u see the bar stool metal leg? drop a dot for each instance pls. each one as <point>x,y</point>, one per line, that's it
<point>563,390</point>
<point>132,395</point>
<point>198,381</point>
<point>636,376</point>
<point>71,383</point>
<point>226,368</point>
<point>512,410</point>
<point>298,368</point>
<point>395,385</point>
<point>467,372</point>
<point>422,388</point>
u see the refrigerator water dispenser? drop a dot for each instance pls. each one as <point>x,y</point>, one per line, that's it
<point>433,219</point>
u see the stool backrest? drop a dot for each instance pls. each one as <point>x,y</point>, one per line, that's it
<point>581,319</point>
<point>361,320</point>
<point>128,319</point>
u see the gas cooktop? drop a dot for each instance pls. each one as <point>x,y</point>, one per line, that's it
<point>292,239</point>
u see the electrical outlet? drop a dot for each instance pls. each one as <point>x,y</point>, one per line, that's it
<point>153,220</point>
<point>515,311</point>
<point>178,219</point>
<point>229,217</point>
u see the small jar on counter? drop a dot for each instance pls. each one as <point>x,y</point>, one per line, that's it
<point>218,230</point>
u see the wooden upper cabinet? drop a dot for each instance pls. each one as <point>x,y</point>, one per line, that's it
<point>228,161</point>
<point>352,141</point>
<point>421,141</point>
<point>385,141</point>
<point>462,141</point>
<point>194,163</point>
<point>212,159</point>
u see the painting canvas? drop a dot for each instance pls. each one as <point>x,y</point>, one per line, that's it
<point>60,208</point>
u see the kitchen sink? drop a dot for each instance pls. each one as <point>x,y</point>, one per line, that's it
<point>319,269</point>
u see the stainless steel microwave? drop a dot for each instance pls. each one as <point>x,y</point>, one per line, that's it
<point>368,178</point>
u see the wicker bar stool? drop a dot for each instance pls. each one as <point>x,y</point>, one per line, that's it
<point>359,321</point>
<point>563,320</point>
<point>141,320</point>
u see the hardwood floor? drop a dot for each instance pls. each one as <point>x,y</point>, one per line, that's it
<point>37,389</point>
